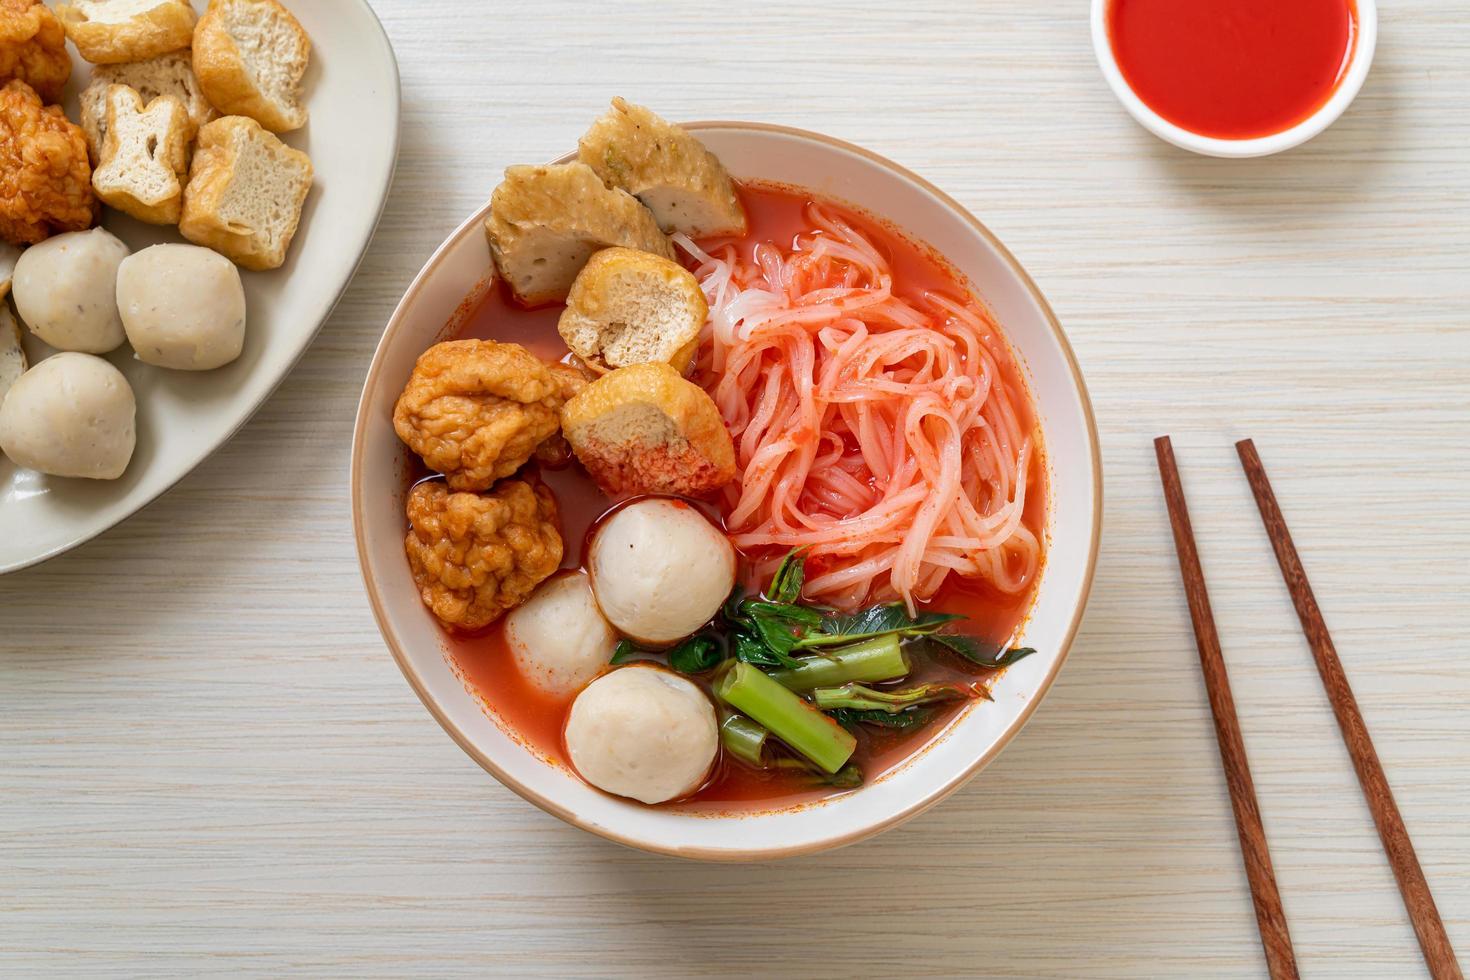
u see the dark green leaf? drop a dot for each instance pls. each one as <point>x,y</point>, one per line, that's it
<point>798,615</point>
<point>696,655</point>
<point>789,577</point>
<point>624,652</point>
<point>850,718</point>
<point>778,637</point>
<point>731,609</point>
<point>848,777</point>
<point>978,651</point>
<point>875,621</point>
<point>749,649</point>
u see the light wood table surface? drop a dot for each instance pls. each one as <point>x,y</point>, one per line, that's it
<point>209,762</point>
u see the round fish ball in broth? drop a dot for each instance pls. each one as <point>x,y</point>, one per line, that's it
<point>70,415</point>
<point>183,307</point>
<point>559,638</point>
<point>644,733</point>
<point>65,290</point>
<point>660,570</point>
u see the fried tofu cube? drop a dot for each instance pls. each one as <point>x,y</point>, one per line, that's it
<point>672,173</point>
<point>546,222</point>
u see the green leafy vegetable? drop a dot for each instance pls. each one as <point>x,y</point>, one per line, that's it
<point>851,718</point>
<point>860,697</point>
<point>730,611</point>
<point>744,739</point>
<point>889,618</point>
<point>777,636</point>
<point>880,659</point>
<point>749,649</point>
<point>797,616</point>
<point>789,718</point>
<point>848,777</point>
<point>763,632</point>
<point>752,744</point>
<point>978,651</point>
<point>789,577</point>
<point>696,655</point>
<point>624,652</point>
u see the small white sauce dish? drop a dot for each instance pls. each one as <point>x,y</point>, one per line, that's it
<point>1347,90</point>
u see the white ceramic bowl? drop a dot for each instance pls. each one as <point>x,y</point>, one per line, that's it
<point>1362,58</point>
<point>850,174</point>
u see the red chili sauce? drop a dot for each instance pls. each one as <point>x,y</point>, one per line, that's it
<point>1233,69</point>
<point>487,667</point>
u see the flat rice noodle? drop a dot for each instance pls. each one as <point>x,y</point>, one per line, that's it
<point>875,432</point>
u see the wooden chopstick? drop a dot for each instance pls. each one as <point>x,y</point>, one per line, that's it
<point>1270,917</point>
<point>1439,955</point>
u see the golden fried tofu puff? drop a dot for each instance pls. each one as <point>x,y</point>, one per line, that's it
<point>546,222</point>
<point>477,410</point>
<point>33,48</point>
<point>630,307</point>
<point>145,157</point>
<point>114,32</point>
<point>244,77</point>
<point>45,177</point>
<point>168,74</point>
<point>475,557</point>
<point>666,168</point>
<point>645,429</point>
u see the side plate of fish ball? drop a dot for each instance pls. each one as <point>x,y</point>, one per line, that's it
<point>762,594</point>
<point>193,244</point>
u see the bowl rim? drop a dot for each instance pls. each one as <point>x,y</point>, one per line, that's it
<point>921,803</point>
<point>1361,60</point>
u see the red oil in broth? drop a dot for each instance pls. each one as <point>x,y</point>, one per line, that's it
<point>1233,69</point>
<point>484,661</point>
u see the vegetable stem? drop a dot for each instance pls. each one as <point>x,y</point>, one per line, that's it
<point>787,716</point>
<point>861,698</point>
<point>744,739</point>
<point>848,777</point>
<point>880,659</point>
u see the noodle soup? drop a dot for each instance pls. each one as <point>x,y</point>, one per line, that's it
<point>818,455</point>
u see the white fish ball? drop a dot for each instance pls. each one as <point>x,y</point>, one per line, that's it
<point>70,415</point>
<point>183,307</point>
<point>559,638</point>
<point>65,290</point>
<point>644,733</point>
<point>660,570</point>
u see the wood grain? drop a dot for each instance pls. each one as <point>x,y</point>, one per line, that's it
<point>1254,848</point>
<point>209,762</point>
<point>1439,955</point>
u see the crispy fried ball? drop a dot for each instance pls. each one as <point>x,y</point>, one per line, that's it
<point>33,47</point>
<point>555,452</point>
<point>476,410</point>
<point>476,556</point>
<point>45,178</point>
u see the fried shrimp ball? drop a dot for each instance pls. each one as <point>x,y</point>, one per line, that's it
<point>33,47</point>
<point>476,556</point>
<point>45,178</point>
<point>476,410</point>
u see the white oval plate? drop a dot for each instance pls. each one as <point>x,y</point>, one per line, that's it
<point>352,95</point>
